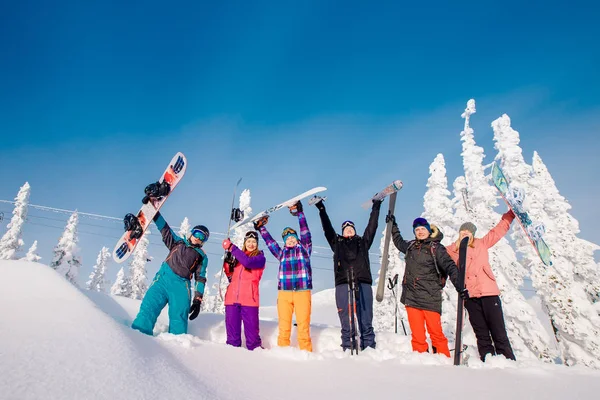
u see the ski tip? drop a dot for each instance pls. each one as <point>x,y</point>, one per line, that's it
<point>397,184</point>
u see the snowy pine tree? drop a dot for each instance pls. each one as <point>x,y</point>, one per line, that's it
<point>137,268</point>
<point>122,285</point>
<point>580,252</point>
<point>184,228</point>
<point>11,242</point>
<point>573,317</point>
<point>98,280</point>
<point>525,330</point>
<point>237,238</point>
<point>32,254</point>
<point>66,261</point>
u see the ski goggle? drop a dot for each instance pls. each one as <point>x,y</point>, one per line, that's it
<point>420,222</point>
<point>251,235</point>
<point>346,224</point>
<point>200,235</point>
<point>288,231</point>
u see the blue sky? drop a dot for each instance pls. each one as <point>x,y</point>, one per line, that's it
<point>97,96</point>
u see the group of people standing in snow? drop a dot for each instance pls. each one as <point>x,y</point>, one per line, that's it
<point>428,262</point>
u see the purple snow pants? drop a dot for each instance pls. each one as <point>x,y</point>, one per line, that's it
<point>234,316</point>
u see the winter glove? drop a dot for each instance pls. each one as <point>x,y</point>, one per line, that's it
<point>195,308</point>
<point>227,244</point>
<point>390,218</point>
<point>261,222</point>
<point>320,205</point>
<point>377,203</point>
<point>464,294</point>
<point>296,208</point>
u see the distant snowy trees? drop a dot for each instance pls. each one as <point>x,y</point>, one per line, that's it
<point>11,241</point>
<point>97,280</point>
<point>32,253</point>
<point>66,260</point>
<point>137,268</point>
<point>122,285</point>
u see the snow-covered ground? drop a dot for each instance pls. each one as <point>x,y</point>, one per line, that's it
<point>58,342</point>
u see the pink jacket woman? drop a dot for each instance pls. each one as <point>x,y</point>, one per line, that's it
<point>483,303</point>
<point>242,298</point>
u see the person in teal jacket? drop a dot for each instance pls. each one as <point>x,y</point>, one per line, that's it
<point>172,282</point>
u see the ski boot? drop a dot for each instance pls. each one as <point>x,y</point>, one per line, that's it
<point>132,224</point>
<point>157,191</point>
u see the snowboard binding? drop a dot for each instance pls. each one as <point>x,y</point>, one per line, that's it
<point>261,222</point>
<point>132,224</point>
<point>316,199</point>
<point>157,191</point>
<point>237,215</point>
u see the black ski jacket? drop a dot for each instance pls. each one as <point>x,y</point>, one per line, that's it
<point>422,285</point>
<point>351,252</point>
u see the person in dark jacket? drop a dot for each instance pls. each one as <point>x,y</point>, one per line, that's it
<point>171,285</point>
<point>427,265</point>
<point>351,261</point>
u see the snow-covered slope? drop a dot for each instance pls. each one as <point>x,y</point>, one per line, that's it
<point>57,342</point>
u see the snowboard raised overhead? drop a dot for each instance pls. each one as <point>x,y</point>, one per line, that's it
<point>279,206</point>
<point>514,199</point>
<point>393,188</point>
<point>172,175</point>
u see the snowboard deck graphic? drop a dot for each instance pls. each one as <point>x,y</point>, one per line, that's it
<point>172,175</point>
<point>538,243</point>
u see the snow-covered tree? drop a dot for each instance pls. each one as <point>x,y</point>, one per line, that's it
<point>32,253</point>
<point>573,317</point>
<point>526,332</point>
<point>137,268</point>
<point>11,242</point>
<point>122,285</point>
<point>184,228</point>
<point>98,280</point>
<point>66,259</point>
<point>579,251</point>
<point>237,238</point>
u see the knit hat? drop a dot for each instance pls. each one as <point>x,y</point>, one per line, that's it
<point>468,226</point>
<point>421,222</point>
<point>251,235</point>
<point>287,232</point>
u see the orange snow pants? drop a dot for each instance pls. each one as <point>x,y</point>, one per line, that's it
<point>418,319</point>
<point>288,302</point>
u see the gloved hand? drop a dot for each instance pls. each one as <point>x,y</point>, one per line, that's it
<point>390,217</point>
<point>296,208</point>
<point>320,205</point>
<point>227,244</point>
<point>377,203</point>
<point>261,222</point>
<point>230,262</point>
<point>195,308</point>
<point>464,294</point>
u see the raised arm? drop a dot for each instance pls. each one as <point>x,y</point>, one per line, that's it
<point>327,226</point>
<point>399,242</point>
<point>168,236</point>
<point>497,232</point>
<point>371,229</point>
<point>255,262</point>
<point>305,237</point>
<point>271,243</point>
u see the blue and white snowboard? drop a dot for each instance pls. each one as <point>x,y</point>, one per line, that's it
<point>514,197</point>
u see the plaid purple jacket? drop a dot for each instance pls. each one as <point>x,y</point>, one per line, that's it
<point>295,272</point>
